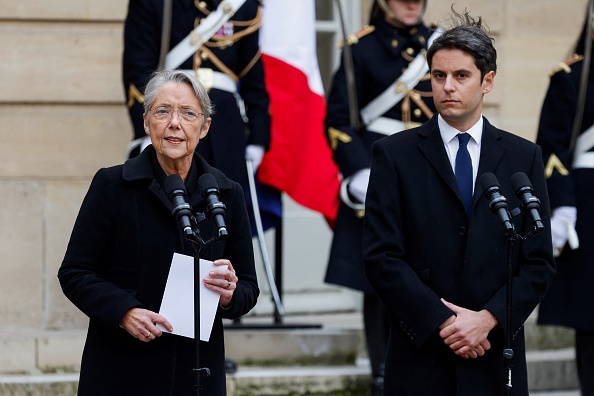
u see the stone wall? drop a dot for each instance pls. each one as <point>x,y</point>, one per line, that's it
<point>62,112</point>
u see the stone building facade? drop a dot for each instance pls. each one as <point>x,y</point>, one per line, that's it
<point>62,116</point>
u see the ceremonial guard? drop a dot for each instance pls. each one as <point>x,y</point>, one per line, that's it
<point>218,41</point>
<point>567,143</point>
<point>384,83</point>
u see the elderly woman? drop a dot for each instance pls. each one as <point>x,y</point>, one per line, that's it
<point>118,258</point>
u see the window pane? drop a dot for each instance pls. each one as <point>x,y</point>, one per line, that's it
<point>325,50</point>
<point>323,10</point>
<point>329,32</point>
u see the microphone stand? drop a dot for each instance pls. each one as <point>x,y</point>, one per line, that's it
<point>189,225</point>
<point>200,373</point>
<point>508,352</point>
<point>498,205</point>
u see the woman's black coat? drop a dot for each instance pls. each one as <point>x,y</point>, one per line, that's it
<point>118,258</point>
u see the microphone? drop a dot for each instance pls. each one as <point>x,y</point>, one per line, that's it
<point>523,188</point>
<point>176,191</point>
<point>497,202</point>
<point>215,209</point>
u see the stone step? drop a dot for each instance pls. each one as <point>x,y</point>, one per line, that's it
<point>552,369</point>
<point>39,385</point>
<point>312,380</point>
<point>545,370</point>
<point>573,392</point>
<point>293,346</point>
<point>248,381</point>
<point>310,354</point>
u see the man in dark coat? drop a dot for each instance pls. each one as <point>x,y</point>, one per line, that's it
<point>228,65</point>
<point>382,52</point>
<point>439,266</point>
<point>570,180</point>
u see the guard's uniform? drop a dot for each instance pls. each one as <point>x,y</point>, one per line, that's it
<point>233,52</point>
<point>570,180</point>
<point>381,54</point>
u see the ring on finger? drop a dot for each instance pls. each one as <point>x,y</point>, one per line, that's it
<point>228,285</point>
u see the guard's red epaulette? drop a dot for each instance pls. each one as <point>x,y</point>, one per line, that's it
<point>354,38</point>
<point>565,65</point>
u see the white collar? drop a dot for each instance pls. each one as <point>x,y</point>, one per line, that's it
<point>448,132</point>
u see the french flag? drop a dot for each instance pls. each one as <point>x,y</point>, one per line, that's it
<point>299,161</point>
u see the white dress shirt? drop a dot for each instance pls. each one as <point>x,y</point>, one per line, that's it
<point>449,135</point>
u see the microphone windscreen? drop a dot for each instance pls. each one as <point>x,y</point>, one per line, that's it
<point>172,183</point>
<point>207,182</point>
<point>520,180</point>
<point>488,180</point>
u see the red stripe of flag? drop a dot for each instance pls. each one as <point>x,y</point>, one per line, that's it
<point>299,161</point>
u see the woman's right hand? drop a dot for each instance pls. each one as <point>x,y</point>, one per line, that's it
<point>142,324</point>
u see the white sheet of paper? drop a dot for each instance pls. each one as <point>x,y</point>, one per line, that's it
<point>178,300</point>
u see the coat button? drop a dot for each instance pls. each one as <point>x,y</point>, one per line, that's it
<point>462,231</point>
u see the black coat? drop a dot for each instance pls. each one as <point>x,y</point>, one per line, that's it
<point>569,300</point>
<point>378,63</point>
<point>224,146</point>
<point>420,246</point>
<point>118,258</point>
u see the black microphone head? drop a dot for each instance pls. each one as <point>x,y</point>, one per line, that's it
<point>492,190</point>
<point>489,180</point>
<point>519,181</point>
<point>174,183</point>
<point>207,182</point>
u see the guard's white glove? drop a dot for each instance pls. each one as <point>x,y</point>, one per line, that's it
<point>254,153</point>
<point>358,184</point>
<point>563,229</point>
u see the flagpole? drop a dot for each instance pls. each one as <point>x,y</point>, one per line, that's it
<point>349,68</point>
<point>262,243</point>
<point>581,102</point>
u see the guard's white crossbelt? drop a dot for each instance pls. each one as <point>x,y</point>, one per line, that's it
<point>219,81</point>
<point>583,158</point>
<point>201,34</point>
<point>389,126</point>
<point>390,97</point>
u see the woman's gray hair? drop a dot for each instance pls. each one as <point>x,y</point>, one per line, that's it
<point>469,35</point>
<point>162,77</point>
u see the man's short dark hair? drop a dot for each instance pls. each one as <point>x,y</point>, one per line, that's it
<point>470,35</point>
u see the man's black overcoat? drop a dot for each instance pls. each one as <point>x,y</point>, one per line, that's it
<point>420,246</point>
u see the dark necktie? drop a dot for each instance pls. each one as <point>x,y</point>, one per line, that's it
<point>463,171</point>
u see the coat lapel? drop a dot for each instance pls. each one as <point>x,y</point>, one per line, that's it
<point>492,151</point>
<point>434,151</point>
